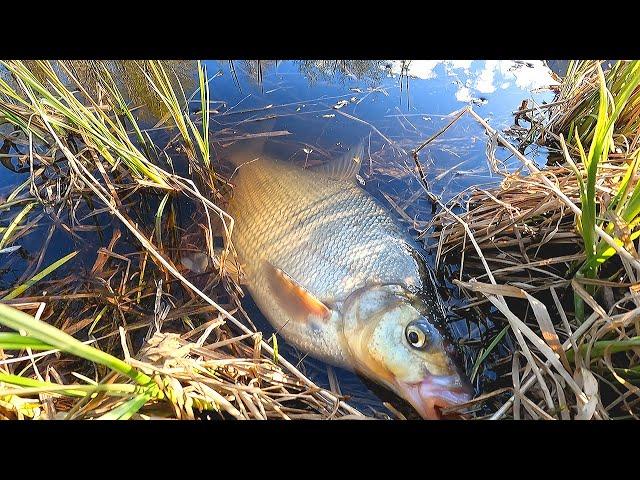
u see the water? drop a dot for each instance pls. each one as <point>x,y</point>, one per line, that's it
<point>395,106</point>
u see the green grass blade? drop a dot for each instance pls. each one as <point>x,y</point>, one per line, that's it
<point>612,346</point>
<point>274,341</point>
<point>204,102</point>
<point>17,320</point>
<point>14,223</point>
<point>127,409</point>
<point>159,219</point>
<point>619,200</point>
<point>33,383</point>
<point>481,358</point>
<point>34,387</point>
<point>15,341</point>
<point>20,289</point>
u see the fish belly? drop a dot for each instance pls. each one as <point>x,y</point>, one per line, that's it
<point>329,236</point>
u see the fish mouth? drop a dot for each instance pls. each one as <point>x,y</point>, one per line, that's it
<point>435,393</point>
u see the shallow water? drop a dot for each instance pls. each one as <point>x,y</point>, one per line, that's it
<point>394,106</point>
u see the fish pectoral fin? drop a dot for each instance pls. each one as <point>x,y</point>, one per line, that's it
<point>345,167</point>
<point>301,304</point>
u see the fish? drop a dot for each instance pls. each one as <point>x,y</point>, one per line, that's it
<point>340,279</point>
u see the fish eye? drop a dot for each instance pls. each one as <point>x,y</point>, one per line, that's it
<point>417,335</point>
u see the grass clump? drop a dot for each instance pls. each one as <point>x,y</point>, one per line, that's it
<point>555,251</point>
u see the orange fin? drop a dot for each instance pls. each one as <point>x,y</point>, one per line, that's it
<point>293,297</point>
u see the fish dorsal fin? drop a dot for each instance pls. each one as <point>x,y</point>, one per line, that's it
<point>301,304</point>
<point>345,167</point>
<point>242,151</point>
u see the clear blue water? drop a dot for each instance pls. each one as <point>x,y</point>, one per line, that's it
<point>394,109</point>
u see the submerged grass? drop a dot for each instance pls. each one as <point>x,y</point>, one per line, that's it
<point>20,289</point>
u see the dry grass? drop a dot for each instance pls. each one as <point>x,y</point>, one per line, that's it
<point>521,258</point>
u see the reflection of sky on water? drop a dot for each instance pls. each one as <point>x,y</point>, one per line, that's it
<point>395,113</point>
<point>487,76</point>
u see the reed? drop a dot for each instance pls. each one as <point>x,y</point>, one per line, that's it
<point>54,103</point>
<point>623,206</point>
<point>560,244</point>
<point>578,109</point>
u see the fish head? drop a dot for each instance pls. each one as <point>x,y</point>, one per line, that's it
<point>393,341</point>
